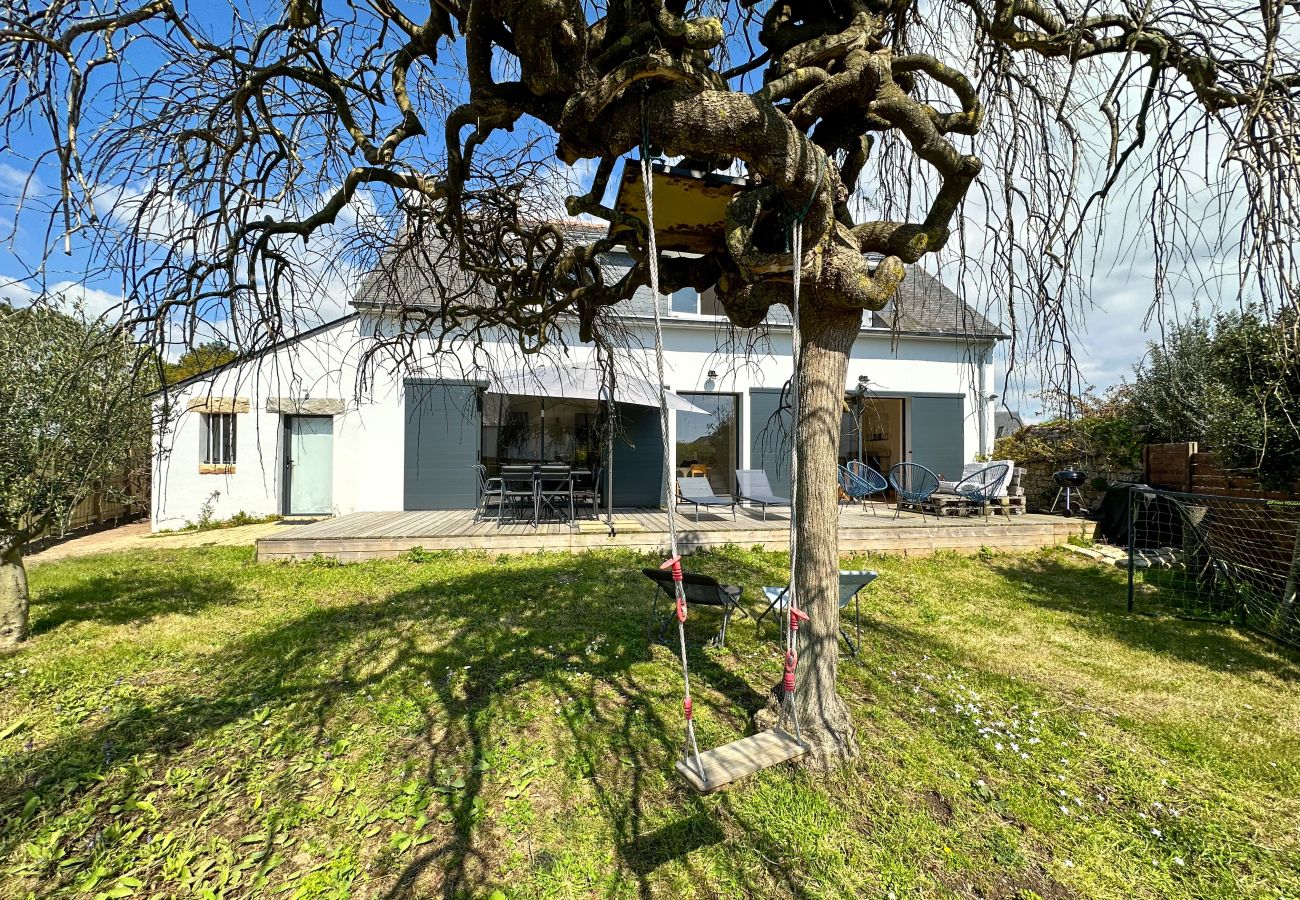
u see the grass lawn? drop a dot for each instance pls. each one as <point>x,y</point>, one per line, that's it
<point>190,723</point>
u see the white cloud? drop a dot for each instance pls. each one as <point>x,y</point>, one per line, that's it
<point>96,302</point>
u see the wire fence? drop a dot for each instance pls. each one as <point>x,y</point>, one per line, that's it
<point>1225,559</point>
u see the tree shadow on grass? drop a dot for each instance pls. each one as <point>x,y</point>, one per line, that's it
<point>460,649</point>
<point>1096,600</point>
<point>133,595</point>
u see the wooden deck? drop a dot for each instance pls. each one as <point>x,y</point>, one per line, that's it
<point>372,535</point>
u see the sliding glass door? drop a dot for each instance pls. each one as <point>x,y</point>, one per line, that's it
<point>537,429</point>
<point>710,444</point>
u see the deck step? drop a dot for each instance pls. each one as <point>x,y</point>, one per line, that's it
<point>621,526</point>
<point>731,762</point>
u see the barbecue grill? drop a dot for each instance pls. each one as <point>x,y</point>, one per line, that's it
<point>1071,478</point>
<point>1067,481</point>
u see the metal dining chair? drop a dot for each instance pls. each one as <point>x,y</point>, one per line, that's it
<point>489,491</point>
<point>518,492</point>
<point>584,493</point>
<point>555,490</point>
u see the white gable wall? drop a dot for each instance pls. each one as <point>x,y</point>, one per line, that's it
<point>369,437</point>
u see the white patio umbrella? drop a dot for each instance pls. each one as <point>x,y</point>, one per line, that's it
<point>584,383</point>
<point>588,383</point>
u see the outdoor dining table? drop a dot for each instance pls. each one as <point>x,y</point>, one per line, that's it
<point>550,487</point>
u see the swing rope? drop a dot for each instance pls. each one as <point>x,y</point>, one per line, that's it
<point>792,598</point>
<point>791,621</point>
<point>690,749</point>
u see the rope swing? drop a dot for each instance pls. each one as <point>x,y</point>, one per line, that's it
<point>709,771</point>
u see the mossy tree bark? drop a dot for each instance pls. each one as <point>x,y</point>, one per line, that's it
<point>827,338</point>
<point>14,599</point>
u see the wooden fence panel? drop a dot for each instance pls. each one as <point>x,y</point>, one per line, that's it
<point>1169,466</point>
<point>1208,477</point>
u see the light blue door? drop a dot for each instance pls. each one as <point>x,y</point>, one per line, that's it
<point>311,465</point>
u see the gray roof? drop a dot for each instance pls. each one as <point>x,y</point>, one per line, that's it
<point>922,305</point>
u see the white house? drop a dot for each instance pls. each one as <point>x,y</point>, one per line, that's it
<point>311,426</point>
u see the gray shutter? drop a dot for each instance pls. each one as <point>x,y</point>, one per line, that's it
<point>938,433</point>
<point>443,429</point>
<point>638,457</point>
<point>769,438</point>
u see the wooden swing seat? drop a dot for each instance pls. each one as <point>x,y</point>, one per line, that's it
<point>732,762</point>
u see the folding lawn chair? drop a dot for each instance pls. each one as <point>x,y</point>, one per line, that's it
<point>851,585</point>
<point>700,590</point>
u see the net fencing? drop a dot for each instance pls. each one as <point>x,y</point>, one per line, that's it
<point>1227,559</point>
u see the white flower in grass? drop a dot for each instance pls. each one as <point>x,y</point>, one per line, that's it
<point>1156,832</point>
<point>998,746</point>
<point>1015,747</point>
<point>1034,740</point>
<point>1061,792</point>
<point>1065,810</point>
<point>1024,756</point>
<point>1083,734</point>
<point>1068,863</point>
<point>1178,861</point>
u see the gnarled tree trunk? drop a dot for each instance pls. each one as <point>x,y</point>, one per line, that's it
<point>13,599</point>
<point>828,336</point>
<point>827,339</point>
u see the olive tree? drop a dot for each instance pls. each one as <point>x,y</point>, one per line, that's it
<point>73,419</point>
<point>888,130</point>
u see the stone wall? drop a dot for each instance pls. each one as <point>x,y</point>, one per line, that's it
<point>1040,489</point>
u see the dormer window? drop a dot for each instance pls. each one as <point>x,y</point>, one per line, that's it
<point>691,302</point>
<point>686,300</point>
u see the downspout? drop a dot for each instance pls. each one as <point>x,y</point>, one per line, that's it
<point>982,406</point>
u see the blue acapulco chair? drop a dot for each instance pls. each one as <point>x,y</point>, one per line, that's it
<point>913,483</point>
<point>983,485</point>
<point>861,482</point>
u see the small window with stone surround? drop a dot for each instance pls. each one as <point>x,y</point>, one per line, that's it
<point>219,431</point>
